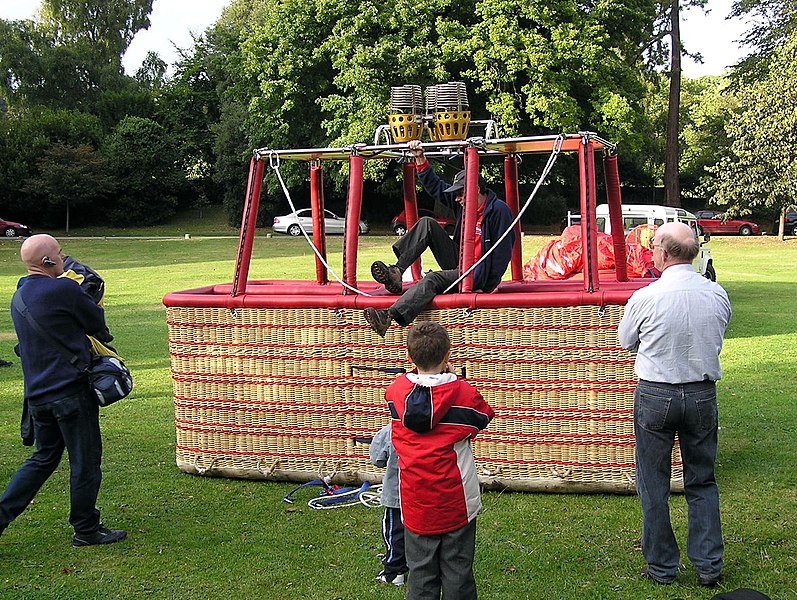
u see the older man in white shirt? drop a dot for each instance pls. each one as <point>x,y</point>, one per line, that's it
<point>676,327</point>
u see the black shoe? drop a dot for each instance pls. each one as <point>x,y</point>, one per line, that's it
<point>389,276</point>
<point>710,581</point>
<point>102,536</point>
<point>5,363</point>
<point>379,320</point>
<point>646,574</point>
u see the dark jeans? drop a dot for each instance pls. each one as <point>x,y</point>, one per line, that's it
<point>394,561</point>
<point>73,423</point>
<point>426,233</point>
<point>690,410</point>
<point>442,561</point>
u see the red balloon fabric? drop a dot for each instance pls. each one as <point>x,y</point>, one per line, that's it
<point>562,258</point>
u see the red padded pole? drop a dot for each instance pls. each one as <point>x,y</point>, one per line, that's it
<point>248,224</point>
<point>612,175</point>
<point>410,206</point>
<point>319,224</point>
<point>589,229</point>
<point>513,201</point>
<point>354,201</point>
<point>469,223</point>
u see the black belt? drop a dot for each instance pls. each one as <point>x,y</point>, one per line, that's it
<point>687,384</point>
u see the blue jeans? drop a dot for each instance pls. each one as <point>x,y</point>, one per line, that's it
<point>690,410</point>
<point>73,423</point>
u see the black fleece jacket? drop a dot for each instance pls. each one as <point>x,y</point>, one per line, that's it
<point>68,314</point>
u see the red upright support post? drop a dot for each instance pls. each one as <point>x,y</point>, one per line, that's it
<point>513,201</point>
<point>410,207</point>
<point>319,228</point>
<point>248,224</point>
<point>589,229</point>
<point>612,176</point>
<point>351,238</point>
<point>469,222</point>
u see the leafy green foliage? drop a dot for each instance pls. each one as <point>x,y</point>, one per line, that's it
<point>100,29</point>
<point>143,160</point>
<point>26,136</point>
<point>759,168</point>
<point>71,180</point>
<point>771,23</point>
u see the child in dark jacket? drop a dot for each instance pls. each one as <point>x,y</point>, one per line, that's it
<point>394,563</point>
<point>435,417</point>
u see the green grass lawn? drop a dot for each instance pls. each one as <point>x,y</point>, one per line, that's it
<point>203,538</point>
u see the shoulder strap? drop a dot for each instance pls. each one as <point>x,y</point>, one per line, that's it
<point>73,359</point>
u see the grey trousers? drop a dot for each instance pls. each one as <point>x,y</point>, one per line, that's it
<point>426,233</point>
<point>442,561</point>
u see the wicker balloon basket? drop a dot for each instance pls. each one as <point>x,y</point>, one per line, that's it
<point>295,393</point>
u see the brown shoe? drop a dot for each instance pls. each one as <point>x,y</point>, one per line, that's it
<point>389,276</point>
<point>379,320</point>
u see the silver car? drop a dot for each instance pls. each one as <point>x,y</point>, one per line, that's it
<point>290,223</point>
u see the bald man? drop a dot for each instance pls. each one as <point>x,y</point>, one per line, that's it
<point>676,326</point>
<point>57,392</point>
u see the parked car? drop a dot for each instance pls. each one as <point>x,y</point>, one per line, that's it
<point>13,229</point>
<point>789,223</point>
<point>715,221</point>
<point>399,222</point>
<point>332,223</point>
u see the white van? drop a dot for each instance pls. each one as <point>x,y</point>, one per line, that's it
<point>644,214</point>
<point>651,214</point>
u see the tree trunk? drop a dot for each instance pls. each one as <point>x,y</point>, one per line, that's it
<point>782,223</point>
<point>672,186</point>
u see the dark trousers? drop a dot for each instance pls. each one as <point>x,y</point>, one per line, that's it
<point>394,560</point>
<point>73,423</point>
<point>660,411</point>
<point>425,234</point>
<point>442,562</point>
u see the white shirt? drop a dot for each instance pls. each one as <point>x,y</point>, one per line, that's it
<point>676,326</point>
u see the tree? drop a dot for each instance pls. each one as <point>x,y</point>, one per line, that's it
<point>103,29</point>
<point>322,71</point>
<point>70,182</point>
<point>760,168</point>
<point>771,23</point>
<point>25,137</point>
<point>706,105</point>
<point>145,164</point>
<point>71,57</point>
<point>672,186</point>
<point>152,72</point>
<point>665,46</point>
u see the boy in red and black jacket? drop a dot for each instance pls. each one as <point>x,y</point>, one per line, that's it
<point>435,417</point>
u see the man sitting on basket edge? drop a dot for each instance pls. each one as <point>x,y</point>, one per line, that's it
<point>493,219</point>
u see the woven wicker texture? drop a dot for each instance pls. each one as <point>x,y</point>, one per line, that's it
<point>293,393</point>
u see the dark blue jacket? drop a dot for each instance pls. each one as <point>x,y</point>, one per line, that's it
<point>496,219</point>
<point>68,314</point>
